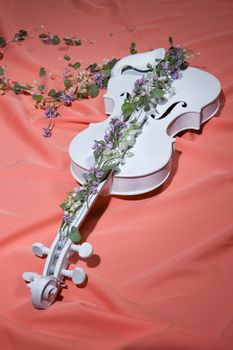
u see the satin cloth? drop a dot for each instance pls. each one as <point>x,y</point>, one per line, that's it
<point>161,275</point>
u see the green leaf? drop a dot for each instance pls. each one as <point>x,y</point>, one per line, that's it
<point>77,42</point>
<point>157,93</point>
<point>79,196</point>
<point>107,72</point>
<point>52,93</point>
<point>74,234</point>
<point>63,205</point>
<point>2,42</point>
<point>68,41</point>
<point>58,94</point>
<point>76,65</point>
<point>67,82</point>
<point>43,36</point>
<point>112,63</point>
<point>109,167</point>
<point>105,83</point>
<point>41,87</point>
<point>38,98</point>
<point>94,90</point>
<point>42,72</point>
<point>17,88</point>
<point>147,108</point>
<point>127,107</point>
<point>1,70</point>
<point>23,32</point>
<point>66,57</point>
<point>85,176</point>
<point>143,100</point>
<point>92,67</point>
<point>56,40</point>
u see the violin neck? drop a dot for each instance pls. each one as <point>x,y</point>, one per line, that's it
<point>103,189</point>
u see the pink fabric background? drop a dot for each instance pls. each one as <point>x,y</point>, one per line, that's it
<point>161,277</point>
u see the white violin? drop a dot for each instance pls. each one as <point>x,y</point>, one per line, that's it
<point>196,100</point>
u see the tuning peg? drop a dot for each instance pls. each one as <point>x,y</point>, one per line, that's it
<point>78,275</point>
<point>29,276</point>
<point>39,249</point>
<point>84,250</point>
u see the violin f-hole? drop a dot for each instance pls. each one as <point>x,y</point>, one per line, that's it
<point>170,108</point>
<point>136,69</point>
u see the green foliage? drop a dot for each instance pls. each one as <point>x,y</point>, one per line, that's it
<point>55,94</point>
<point>79,196</point>
<point>68,41</point>
<point>109,167</point>
<point>43,36</point>
<point>1,70</point>
<point>17,88</point>
<point>42,72</point>
<point>52,92</point>
<point>157,93</point>
<point>66,57</point>
<point>56,40</point>
<point>67,83</point>
<point>41,87</point>
<point>94,90</point>
<point>107,72</point>
<point>77,42</point>
<point>92,67</point>
<point>38,98</point>
<point>2,42</point>
<point>63,205</point>
<point>74,235</point>
<point>23,33</point>
<point>105,83</point>
<point>112,63</point>
<point>76,65</point>
<point>127,109</point>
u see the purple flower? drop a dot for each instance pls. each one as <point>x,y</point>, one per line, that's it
<point>176,75</point>
<point>98,146</point>
<point>138,85</point>
<point>67,73</point>
<point>99,78</point>
<point>165,67</point>
<point>107,137</point>
<point>47,40</point>
<point>67,219</point>
<point>67,99</point>
<point>18,37</point>
<point>47,132</point>
<point>99,173</point>
<point>93,189</point>
<point>51,112</point>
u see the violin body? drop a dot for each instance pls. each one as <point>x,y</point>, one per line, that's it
<point>151,164</point>
<point>196,100</point>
